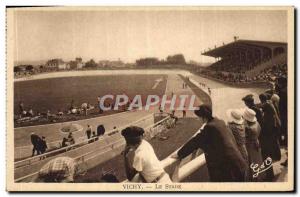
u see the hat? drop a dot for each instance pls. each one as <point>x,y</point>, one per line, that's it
<point>203,111</point>
<point>269,91</point>
<point>263,97</point>
<point>275,98</point>
<point>248,98</point>
<point>249,115</point>
<point>268,95</point>
<point>132,132</point>
<point>234,115</point>
<point>60,169</point>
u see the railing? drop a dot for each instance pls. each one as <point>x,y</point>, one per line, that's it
<point>183,170</point>
<point>79,158</point>
<point>95,153</point>
<point>38,157</point>
<point>21,151</point>
<point>184,167</point>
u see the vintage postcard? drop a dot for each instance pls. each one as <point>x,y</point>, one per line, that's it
<point>158,99</point>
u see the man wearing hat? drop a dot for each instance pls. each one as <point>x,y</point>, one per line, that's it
<point>224,161</point>
<point>140,158</point>
<point>282,92</point>
<point>269,134</point>
<point>35,140</point>
<point>249,102</point>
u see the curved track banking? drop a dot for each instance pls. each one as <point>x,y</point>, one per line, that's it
<point>223,97</point>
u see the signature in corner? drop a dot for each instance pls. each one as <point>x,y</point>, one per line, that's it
<point>257,169</point>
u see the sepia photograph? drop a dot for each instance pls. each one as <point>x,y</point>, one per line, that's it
<point>150,99</point>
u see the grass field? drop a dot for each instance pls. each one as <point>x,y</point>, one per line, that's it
<point>56,94</point>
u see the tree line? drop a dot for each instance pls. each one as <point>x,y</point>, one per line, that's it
<point>177,59</point>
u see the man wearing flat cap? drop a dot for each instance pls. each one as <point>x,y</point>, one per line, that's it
<point>141,162</point>
<point>224,161</point>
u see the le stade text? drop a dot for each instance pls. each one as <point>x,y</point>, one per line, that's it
<point>156,186</point>
<point>175,102</point>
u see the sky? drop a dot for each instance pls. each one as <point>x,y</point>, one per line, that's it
<point>130,35</point>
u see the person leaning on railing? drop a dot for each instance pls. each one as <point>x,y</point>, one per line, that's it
<point>224,161</point>
<point>141,162</point>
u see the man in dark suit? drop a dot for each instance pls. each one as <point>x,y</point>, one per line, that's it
<point>269,134</point>
<point>224,161</point>
<point>100,130</point>
<point>282,91</point>
<point>88,132</point>
<point>35,140</point>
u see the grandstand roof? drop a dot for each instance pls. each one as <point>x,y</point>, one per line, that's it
<point>243,45</point>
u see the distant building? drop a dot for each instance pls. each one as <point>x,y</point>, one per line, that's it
<point>80,65</point>
<point>176,59</point>
<point>117,63</point>
<point>75,64</point>
<point>109,64</point>
<point>103,63</point>
<point>56,64</point>
<point>63,66</point>
<point>20,68</point>
<point>149,61</point>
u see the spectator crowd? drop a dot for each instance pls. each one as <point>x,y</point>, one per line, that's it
<point>266,75</point>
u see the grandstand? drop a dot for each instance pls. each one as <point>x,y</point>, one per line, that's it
<point>242,60</point>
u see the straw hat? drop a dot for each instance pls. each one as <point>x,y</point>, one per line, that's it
<point>234,115</point>
<point>275,98</point>
<point>249,115</point>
